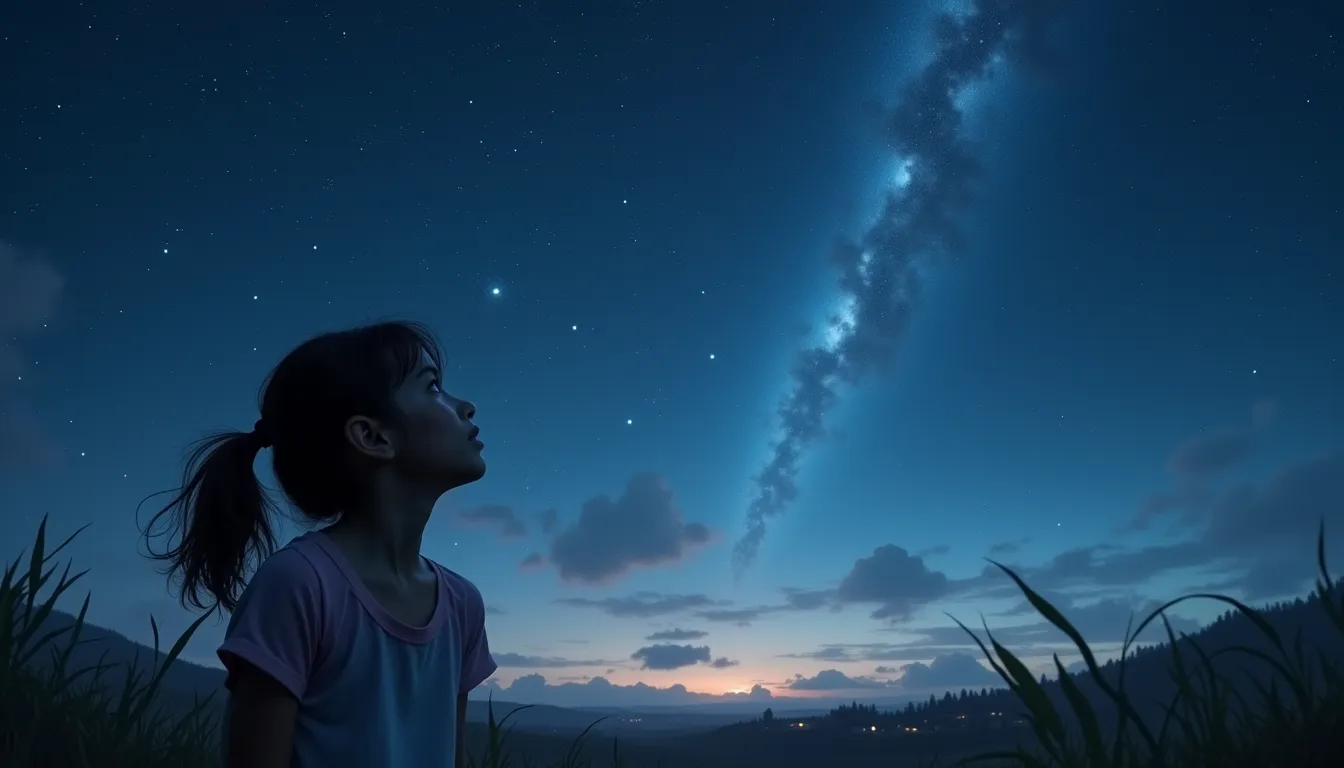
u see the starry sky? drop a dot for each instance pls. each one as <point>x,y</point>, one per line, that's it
<point>780,317</point>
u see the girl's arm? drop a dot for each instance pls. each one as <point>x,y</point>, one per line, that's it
<point>261,714</point>
<point>461,761</point>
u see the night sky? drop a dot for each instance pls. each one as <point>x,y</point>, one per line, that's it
<point>780,317</point>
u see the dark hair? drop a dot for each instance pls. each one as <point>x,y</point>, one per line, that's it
<point>222,514</point>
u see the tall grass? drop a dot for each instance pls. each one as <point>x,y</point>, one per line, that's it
<point>56,715</point>
<point>1295,720</point>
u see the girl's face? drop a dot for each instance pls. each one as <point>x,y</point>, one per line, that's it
<point>436,436</point>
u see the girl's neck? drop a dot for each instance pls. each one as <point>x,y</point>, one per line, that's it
<point>384,539</point>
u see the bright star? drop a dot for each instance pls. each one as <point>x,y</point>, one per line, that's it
<point>573,327</point>
<point>711,357</point>
<point>629,421</point>
<point>494,291</point>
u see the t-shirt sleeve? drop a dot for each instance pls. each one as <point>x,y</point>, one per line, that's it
<point>276,625</point>
<point>477,663</point>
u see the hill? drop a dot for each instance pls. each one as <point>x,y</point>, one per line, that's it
<point>1238,650</point>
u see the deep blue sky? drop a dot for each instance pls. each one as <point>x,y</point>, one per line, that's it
<point>1124,378</point>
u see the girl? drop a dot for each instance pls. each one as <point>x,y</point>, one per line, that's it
<point>348,647</point>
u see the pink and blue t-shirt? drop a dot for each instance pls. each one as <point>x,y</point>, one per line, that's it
<point>373,692</point>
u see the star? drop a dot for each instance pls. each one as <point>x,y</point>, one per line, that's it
<point>629,421</point>
<point>573,327</point>
<point>711,356</point>
<point>494,291</point>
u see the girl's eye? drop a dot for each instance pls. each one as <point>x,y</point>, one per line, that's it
<point>434,386</point>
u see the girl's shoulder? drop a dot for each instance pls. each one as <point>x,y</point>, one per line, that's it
<point>466,597</point>
<point>294,565</point>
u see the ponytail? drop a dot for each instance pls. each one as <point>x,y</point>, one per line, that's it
<point>222,518</point>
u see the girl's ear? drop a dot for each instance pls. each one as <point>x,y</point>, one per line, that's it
<point>368,437</point>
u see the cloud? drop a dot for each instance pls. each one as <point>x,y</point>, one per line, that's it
<point>671,656</point>
<point>642,605</point>
<point>677,634</point>
<point>945,672</point>
<point>723,662</point>
<point>30,290</point>
<point>879,277</point>
<point>835,680</point>
<point>651,604</point>
<point>641,528</point>
<point>900,652</point>
<point>739,616</point>
<point>794,600</point>
<point>600,692</point>
<point>1259,539</point>
<point>547,520</point>
<point>497,516</point>
<point>1005,548</point>
<point>1207,455</point>
<point>952,670</point>
<point>1197,462</point>
<point>523,661</point>
<point>532,562</point>
<point>898,582</point>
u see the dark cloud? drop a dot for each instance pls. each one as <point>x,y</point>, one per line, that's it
<point>676,634</point>
<point>671,656</point>
<point>532,562</point>
<point>522,661</point>
<point>835,680</point>
<point>794,600</point>
<point>600,692</point>
<point>952,670</point>
<point>642,528</point>
<point>945,672</point>
<point>1257,539</point>
<point>739,616</point>
<point>893,579</point>
<point>879,275</point>
<point>497,516</point>
<point>1207,455</point>
<point>1005,548</point>
<point>547,520</point>
<point>651,604</point>
<point>807,599</point>
<point>723,662</point>
<point>30,289</point>
<point>643,605</point>
<point>854,652</point>
<point>1199,461</point>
